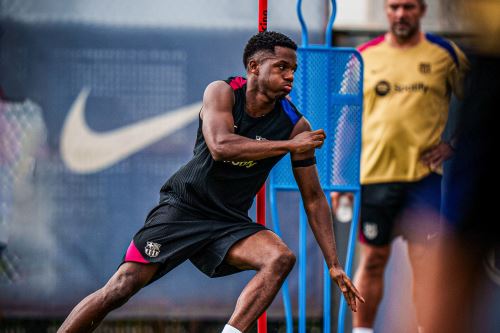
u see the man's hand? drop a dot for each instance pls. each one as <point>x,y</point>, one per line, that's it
<point>435,156</point>
<point>347,287</point>
<point>307,140</point>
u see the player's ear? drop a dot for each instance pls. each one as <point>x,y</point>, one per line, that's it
<point>253,67</point>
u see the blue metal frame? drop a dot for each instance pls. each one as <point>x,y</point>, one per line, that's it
<point>335,99</point>
<point>285,290</point>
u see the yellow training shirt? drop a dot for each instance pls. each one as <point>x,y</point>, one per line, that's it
<point>406,98</point>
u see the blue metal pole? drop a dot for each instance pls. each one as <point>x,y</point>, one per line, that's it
<point>303,26</point>
<point>326,299</point>
<point>329,27</point>
<point>285,290</point>
<point>302,268</point>
<point>350,256</point>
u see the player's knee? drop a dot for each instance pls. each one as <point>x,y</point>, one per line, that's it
<point>283,261</point>
<point>375,261</point>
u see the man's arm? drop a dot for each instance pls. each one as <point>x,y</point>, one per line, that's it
<point>320,219</point>
<point>457,72</point>
<point>225,145</point>
<point>435,156</point>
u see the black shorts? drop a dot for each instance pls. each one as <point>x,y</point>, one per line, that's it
<point>170,236</point>
<point>410,209</point>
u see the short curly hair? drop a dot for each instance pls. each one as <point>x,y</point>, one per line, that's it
<point>266,41</point>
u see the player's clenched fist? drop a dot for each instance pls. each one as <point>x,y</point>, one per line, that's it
<point>307,140</point>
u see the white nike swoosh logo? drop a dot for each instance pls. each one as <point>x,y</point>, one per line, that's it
<point>85,151</point>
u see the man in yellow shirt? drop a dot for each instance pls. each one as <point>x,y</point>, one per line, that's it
<point>408,80</point>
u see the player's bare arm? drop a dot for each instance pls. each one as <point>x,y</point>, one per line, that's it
<point>224,144</point>
<point>319,217</point>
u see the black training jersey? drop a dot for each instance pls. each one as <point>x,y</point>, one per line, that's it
<point>225,189</point>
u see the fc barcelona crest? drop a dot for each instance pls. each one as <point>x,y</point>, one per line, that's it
<point>425,68</point>
<point>152,249</point>
<point>370,230</point>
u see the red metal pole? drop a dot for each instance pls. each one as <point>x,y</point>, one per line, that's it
<point>262,15</point>
<point>261,218</point>
<point>261,196</point>
<point>261,205</point>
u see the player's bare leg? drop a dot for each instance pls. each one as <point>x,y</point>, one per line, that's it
<point>455,274</point>
<point>369,280</point>
<point>127,280</point>
<point>417,254</point>
<point>421,255</point>
<point>266,253</point>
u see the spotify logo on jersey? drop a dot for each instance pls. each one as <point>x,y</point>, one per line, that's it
<point>382,88</point>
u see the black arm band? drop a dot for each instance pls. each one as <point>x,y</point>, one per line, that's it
<point>304,163</point>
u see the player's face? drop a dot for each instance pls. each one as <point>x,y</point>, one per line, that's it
<point>277,71</point>
<point>404,17</point>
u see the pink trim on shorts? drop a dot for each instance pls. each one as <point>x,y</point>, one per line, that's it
<point>361,236</point>
<point>134,255</point>
<point>237,83</point>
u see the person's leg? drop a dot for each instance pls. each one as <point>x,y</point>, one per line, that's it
<point>369,279</point>
<point>423,263</point>
<point>266,253</point>
<point>380,205</point>
<point>128,279</point>
<point>421,228</point>
<point>419,255</point>
<point>454,291</point>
